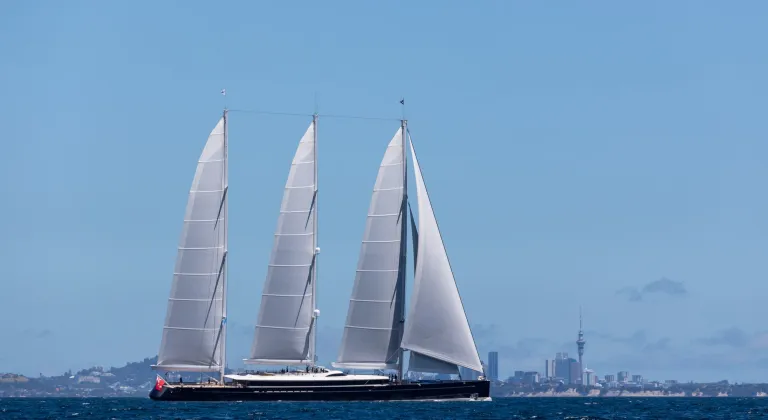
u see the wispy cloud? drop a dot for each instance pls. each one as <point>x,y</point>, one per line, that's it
<point>638,340</point>
<point>730,353</point>
<point>737,338</point>
<point>662,344</point>
<point>663,286</point>
<point>485,332</point>
<point>490,336</point>
<point>522,353</point>
<point>632,294</point>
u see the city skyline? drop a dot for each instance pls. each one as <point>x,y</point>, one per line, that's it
<point>575,372</point>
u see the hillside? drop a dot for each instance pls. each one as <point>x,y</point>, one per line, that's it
<point>133,379</point>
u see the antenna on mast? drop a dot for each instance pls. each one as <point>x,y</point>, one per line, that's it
<point>224,94</point>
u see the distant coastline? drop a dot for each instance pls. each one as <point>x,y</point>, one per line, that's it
<point>689,390</point>
<point>136,379</point>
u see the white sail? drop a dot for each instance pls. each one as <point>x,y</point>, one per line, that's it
<point>192,334</point>
<point>436,326</point>
<point>420,363</point>
<point>373,328</point>
<point>283,330</point>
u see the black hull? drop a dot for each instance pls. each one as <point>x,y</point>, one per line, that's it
<point>449,390</point>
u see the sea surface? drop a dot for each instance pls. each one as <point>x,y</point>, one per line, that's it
<point>500,408</point>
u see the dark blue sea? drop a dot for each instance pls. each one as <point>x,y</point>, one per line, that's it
<point>500,408</point>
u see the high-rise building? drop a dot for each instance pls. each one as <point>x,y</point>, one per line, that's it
<point>590,379</point>
<point>531,378</point>
<point>493,366</point>
<point>575,372</point>
<point>623,376</point>
<point>563,367</point>
<point>549,368</point>
<point>638,379</point>
<point>610,378</point>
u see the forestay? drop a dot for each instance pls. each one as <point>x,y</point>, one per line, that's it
<point>192,338</point>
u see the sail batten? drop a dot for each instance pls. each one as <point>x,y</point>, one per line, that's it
<point>193,323</point>
<point>372,331</point>
<point>284,331</point>
<point>437,325</point>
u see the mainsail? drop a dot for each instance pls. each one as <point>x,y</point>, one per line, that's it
<point>373,329</point>
<point>436,330</point>
<point>193,334</point>
<point>284,330</point>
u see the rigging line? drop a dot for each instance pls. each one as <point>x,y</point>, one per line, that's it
<point>357,117</point>
<point>253,111</point>
<point>296,114</point>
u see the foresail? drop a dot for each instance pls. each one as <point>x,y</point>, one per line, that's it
<point>421,363</point>
<point>283,333</point>
<point>436,325</point>
<point>193,324</point>
<point>373,329</point>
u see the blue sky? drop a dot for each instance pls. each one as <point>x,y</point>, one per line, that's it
<point>599,153</point>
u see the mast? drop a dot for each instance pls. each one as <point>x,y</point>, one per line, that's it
<point>403,248</point>
<point>316,250</point>
<point>224,188</point>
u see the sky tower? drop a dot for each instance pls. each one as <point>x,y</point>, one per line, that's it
<point>580,342</point>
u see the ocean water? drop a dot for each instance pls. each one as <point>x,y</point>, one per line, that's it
<point>500,408</point>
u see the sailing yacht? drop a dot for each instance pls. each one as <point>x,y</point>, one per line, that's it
<point>377,334</point>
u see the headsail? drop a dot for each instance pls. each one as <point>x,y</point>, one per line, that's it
<point>373,329</point>
<point>420,363</point>
<point>192,334</point>
<point>436,326</point>
<point>283,330</point>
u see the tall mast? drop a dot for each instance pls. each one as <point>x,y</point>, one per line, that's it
<point>315,249</point>
<point>403,248</point>
<point>225,187</point>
